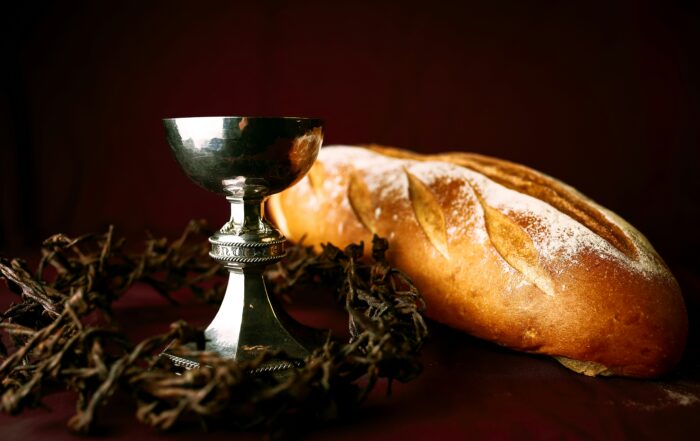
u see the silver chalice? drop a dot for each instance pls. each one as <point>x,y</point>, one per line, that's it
<point>247,159</point>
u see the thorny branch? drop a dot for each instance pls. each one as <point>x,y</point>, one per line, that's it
<point>60,335</point>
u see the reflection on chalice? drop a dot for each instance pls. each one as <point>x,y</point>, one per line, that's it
<point>247,159</point>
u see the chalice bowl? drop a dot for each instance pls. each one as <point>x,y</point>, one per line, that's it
<point>247,159</point>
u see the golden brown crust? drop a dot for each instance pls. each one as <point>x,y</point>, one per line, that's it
<point>502,252</point>
<point>535,184</point>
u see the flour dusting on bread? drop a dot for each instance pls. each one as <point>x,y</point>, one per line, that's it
<point>559,239</point>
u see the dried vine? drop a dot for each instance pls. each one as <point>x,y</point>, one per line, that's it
<point>61,336</point>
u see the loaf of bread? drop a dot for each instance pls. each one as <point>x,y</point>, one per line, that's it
<point>502,252</point>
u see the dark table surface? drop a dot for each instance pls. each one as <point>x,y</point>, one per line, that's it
<point>469,389</point>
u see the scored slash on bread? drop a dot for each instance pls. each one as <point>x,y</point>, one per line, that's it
<point>501,251</point>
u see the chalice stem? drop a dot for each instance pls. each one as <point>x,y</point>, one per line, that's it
<point>247,216</point>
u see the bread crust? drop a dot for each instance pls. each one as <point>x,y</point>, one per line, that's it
<point>502,252</point>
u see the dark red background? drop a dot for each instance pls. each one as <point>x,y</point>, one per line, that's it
<point>603,95</point>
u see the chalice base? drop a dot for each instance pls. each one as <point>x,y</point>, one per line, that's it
<point>249,322</point>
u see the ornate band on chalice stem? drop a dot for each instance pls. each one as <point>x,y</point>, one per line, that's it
<point>247,159</point>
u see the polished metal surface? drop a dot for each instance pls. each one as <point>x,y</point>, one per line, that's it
<point>251,153</point>
<point>248,159</point>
